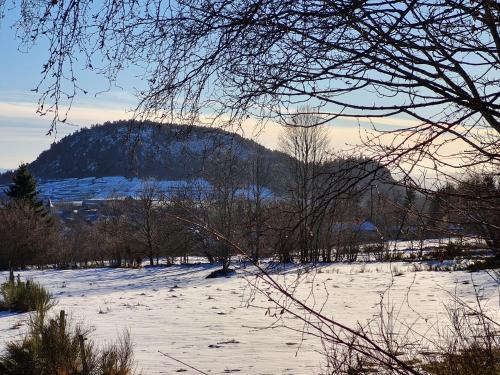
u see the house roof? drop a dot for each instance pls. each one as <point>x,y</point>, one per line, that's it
<point>355,226</point>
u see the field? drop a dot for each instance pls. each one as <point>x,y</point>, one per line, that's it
<point>217,326</point>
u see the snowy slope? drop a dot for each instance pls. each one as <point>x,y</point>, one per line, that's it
<point>77,189</point>
<point>208,324</point>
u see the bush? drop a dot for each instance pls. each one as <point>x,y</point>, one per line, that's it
<point>56,346</point>
<point>472,360</point>
<point>23,296</point>
<point>377,250</point>
<point>450,251</point>
<point>483,264</point>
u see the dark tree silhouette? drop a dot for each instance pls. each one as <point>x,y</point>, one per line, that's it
<point>24,188</point>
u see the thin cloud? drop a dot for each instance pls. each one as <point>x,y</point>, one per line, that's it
<point>79,115</point>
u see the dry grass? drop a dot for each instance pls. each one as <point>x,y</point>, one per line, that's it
<point>475,360</point>
<point>468,344</point>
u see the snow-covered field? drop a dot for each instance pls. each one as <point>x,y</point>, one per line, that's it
<point>208,324</point>
<point>78,189</point>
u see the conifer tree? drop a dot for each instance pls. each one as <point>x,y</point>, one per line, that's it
<point>23,188</point>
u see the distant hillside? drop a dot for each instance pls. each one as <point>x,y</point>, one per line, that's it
<point>145,150</point>
<point>111,158</point>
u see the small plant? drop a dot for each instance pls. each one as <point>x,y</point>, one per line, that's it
<point>471,345</point>
<point>416,267</point>
<point>396,271</point>
<point>23,296</point>
<point>467,361</point>
<point>362,269</point>
<point>55,346</point>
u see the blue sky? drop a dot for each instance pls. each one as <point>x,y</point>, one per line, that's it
<point>23,133</point>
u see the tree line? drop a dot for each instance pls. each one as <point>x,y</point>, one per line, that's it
<point>318,218</point>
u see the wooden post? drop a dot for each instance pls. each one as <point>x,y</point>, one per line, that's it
<point>11,275</point>
<point>62,321</point>
<point>82,353</point>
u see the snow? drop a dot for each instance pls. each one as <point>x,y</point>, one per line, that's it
<point>208,324</point>
<point>78,189</point>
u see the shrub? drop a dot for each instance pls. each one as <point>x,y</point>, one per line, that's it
<point>471,345</point>
<point>56,346</point>
<point>377,250</point>
<point>23,296</point>
<point>454,250</point>
<point>450,251</point>
<point>472,360</point>
<point>483,264</point>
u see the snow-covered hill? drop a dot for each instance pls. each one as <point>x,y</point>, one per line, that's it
<point>145,150</point>
<point>76,189</point>
<point>112,159</point>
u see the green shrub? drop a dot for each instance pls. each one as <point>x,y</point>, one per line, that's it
<point>55,346</point>
<point>23,296</point>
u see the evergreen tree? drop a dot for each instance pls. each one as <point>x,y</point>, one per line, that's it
<point>23,188</point>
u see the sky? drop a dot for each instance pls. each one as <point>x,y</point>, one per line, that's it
<point>23,133</point>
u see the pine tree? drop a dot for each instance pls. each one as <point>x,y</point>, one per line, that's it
<point>23,188</point>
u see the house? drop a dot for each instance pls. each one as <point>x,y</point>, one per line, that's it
<point>366,226</point>
<point>356,232</point>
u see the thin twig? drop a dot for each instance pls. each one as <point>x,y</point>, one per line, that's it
<point>184,363</point>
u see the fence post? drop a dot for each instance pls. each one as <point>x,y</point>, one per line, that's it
<point>82,353</point>
<point>11,275</point>
<point>62,321</point>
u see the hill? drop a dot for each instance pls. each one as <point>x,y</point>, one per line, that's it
<point>146,150</point>
<point>142,150</point>
<point>114,157</point>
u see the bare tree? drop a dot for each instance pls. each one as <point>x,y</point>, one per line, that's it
<point>258,175</point>
<point>307,143</point>
<point>223,198</point>
<point>142,220</point>
<point>429,70</point>
<point>477,205</point>
<point>26,237</point>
